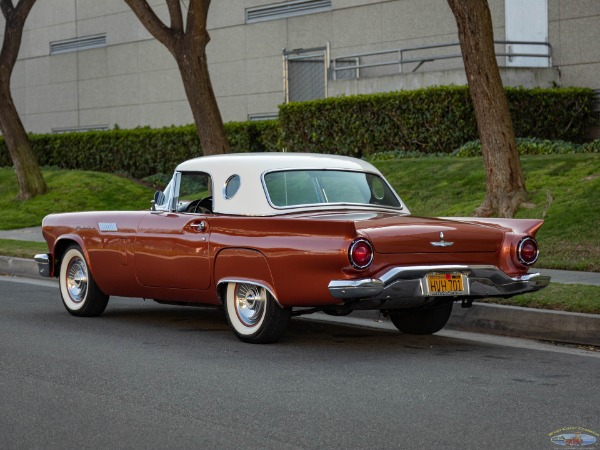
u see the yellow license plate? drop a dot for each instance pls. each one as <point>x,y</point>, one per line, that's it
<point>445,284</point>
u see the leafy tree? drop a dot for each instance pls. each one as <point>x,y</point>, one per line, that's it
<point>504,177</point>
<point>27,170</point>
<point>187,43</point>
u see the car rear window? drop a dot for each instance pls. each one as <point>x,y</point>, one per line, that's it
<point>312,187</point>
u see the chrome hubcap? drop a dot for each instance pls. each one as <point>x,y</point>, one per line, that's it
<point>77,280</point>
<point>250,303</point>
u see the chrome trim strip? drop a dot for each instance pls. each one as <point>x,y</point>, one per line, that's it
<point>238,280</point>
<point>356,288</point>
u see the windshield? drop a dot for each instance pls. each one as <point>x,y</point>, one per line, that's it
<point>313,187</point>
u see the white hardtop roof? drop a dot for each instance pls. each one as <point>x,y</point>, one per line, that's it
<point>251,199</point>
<point>264,162</point>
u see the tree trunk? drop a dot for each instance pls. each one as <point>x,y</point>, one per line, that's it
<point>193,67</point>
<point>505,184</point>
<point>187,44</point>
<point>29,176</point>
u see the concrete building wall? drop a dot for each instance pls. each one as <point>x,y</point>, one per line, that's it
<point>133,80</point>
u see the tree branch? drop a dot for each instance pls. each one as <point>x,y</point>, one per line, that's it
<point>7,8</point>
<point>153,24</point>
<point>195,29</point>
<point>23,8</point>
<point>13,33</point>
<point>176,16</point>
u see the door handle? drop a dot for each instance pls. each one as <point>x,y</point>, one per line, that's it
<point>201,226</point>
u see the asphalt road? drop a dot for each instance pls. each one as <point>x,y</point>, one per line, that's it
<point>150,376</point>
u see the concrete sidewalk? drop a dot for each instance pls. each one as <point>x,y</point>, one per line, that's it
<point>33,234</point>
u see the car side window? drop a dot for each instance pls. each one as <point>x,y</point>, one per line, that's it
<point>195,193</point>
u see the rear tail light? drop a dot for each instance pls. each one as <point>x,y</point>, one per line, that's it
<point>360,253</point>
<point>527,251</point>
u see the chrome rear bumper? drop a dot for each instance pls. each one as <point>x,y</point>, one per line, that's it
<point>409,282</point>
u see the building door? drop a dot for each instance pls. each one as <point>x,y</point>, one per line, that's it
<point>305,74</point>
<point>527,21</point>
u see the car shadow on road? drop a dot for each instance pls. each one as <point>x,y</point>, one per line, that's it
<point>303,334</point>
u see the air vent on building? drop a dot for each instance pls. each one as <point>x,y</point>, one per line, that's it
<point>286,9</point>
<point>262,116</point>
<point>78,44</point>
<point>80,129</point>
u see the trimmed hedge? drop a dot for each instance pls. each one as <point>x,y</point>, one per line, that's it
<point>534,146</point>
<point>433,120</point>
<point>140,152</point>
<point>426,121</point>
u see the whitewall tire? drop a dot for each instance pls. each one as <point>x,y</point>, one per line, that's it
<point>80,294</point>
<point>253,314</point>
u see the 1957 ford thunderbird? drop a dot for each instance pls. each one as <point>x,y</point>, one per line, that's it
<point>270,236</point>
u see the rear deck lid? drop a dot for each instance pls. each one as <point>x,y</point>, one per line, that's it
<point>410,234</point>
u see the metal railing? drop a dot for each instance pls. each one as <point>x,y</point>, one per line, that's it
<point>350,66</point>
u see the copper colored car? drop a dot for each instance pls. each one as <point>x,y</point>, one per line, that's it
<point>275,235</point>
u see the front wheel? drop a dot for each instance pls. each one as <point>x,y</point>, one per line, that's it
<point>80,294</point>
<point>422,322</point>
<point>253,314</point>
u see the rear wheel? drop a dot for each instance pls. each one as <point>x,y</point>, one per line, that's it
<point>80,294</point>
<point>422,322</point>
<point>253,314</point>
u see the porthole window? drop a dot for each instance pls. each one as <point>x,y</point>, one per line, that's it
<point>378,189</point>
<point>232,185</point>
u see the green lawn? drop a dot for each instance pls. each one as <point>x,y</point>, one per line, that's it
<point>564,190</point>
<point>21,249</point>
<point>69,191</point>
<point>559,297</point>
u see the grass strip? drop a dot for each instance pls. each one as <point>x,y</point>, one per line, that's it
<point>21,249</point>
<point>558,297</point>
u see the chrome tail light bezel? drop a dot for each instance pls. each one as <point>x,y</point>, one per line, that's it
<point>355,243</point>
<point>522,242</point>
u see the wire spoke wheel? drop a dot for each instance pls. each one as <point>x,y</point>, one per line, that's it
<point>77,280</point>
<point>250,301</point>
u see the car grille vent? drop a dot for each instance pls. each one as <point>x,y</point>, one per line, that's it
<point>78,44</point>
<point>108,226</point>
<point>286,9</point>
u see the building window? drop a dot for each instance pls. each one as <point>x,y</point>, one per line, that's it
<point>286,9</point>
<point>77,44</point>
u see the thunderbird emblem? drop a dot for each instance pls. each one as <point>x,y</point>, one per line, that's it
<point>441,242</point>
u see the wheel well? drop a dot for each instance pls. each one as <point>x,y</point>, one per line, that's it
<point>242,265</point>
<point>222,292</point>
<point>59,251</point>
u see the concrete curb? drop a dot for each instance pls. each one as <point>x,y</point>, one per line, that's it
<point>541,324</point>
<point>18,266</point>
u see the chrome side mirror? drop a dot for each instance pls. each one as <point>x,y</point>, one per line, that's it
<point>159,199</point>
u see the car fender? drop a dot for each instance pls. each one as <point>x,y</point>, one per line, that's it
<point>60,246</point>
<point>245,265</point>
